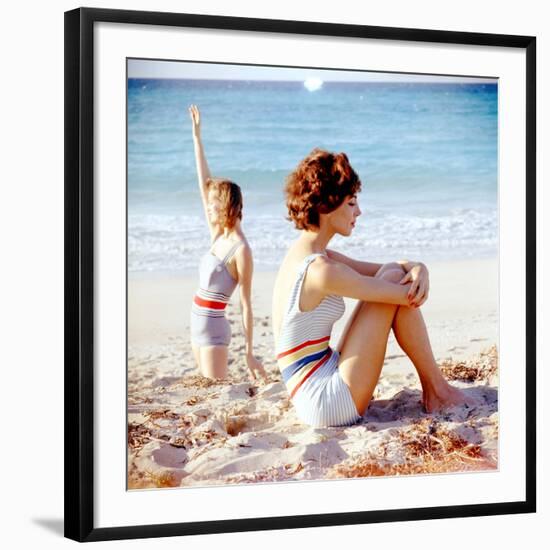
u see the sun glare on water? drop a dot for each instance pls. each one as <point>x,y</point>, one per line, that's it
<point>313,84</point>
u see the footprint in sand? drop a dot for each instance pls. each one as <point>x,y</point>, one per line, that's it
<point>170,456</point>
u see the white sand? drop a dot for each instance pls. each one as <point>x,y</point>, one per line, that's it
<point>186,430</point>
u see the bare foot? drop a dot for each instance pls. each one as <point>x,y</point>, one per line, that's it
<point>446,398</point>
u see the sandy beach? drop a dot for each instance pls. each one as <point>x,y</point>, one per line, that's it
<point>185,430</point>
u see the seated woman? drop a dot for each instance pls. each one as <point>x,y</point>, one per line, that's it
<point>333,387</point>
<point>227,263</point>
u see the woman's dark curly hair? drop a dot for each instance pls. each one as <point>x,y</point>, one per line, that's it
<point>319,185</point>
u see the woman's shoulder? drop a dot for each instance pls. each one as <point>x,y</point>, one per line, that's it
<point>242,246</point>
<point>298,257</point>
<point>297,263</point>
<point>241,250</point>
<point>319,261</point>
<point>321,268</point>
<point>232,242</point>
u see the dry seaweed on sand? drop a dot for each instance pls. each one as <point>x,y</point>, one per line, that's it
<point>194,399</point>
<point>153,480</point>
<point>480,368</point>
<point>428,447</point>
<point>199,381</point>
<point>138,435</point>
<point>429,438</point>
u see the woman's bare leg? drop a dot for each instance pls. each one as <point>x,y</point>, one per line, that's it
<point>197,356</point>
<point>363,347</point>
<point>213,361</point>
<point>411,334</point>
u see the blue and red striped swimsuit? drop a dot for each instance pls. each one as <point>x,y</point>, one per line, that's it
<point>309,366</point>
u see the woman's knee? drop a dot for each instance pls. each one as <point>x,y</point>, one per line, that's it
<point>390,266</point>
<point>391,272</point>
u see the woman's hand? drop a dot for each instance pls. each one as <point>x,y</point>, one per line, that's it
<point>255,368</point>
<point>418,276</point>
<point>195,115</point>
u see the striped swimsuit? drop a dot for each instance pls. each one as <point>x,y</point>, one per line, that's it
<point>308,365</point>
<point>209,326</point>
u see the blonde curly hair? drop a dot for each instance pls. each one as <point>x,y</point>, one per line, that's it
<point>231,199</point>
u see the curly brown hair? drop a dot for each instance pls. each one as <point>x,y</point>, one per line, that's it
<point>231,199</point>
<point>319,185</point>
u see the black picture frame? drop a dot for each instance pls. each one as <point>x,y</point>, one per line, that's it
<point>79,272</point>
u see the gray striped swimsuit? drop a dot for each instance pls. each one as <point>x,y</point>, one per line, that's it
<point>209,326</point>
<point>308,365</point>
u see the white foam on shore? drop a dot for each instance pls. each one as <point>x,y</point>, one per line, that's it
<point>170,243</point>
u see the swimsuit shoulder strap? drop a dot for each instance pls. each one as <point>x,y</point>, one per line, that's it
<point>232,251</point>
<point>297,288</point>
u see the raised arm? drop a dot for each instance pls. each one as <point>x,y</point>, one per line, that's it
<point>203,172</point>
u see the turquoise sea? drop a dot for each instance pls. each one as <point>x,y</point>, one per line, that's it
<point>426,154</point>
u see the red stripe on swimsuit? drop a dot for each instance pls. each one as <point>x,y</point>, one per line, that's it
<point>303,345</point>
<point>209,303</point>
<point>318,365</point>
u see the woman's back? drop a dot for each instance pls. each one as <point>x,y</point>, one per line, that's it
<point>309,367</point>
<point>285,284</point>
<point>282,290</point>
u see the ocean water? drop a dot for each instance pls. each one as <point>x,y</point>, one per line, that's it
<point>426,154</point>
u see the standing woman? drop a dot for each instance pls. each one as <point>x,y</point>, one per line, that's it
<point>228,263</point>
<point>333,387</point>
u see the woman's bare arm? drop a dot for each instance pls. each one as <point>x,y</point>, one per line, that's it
<point>364,268</point>
<point>332,277</point>
<point>414,272</point>
<point>203,172</point>
<point>245,268</point>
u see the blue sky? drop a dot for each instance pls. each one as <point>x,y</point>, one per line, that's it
<point>139,68</point>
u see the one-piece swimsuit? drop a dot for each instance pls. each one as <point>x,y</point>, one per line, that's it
<point>209,325</point>
<point>309,366</point>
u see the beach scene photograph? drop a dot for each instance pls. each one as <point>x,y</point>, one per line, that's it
<point>312,274</point>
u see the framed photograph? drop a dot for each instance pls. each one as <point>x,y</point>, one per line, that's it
<point>299,274</point>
